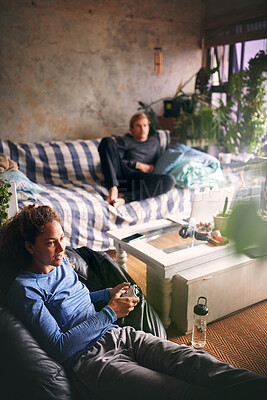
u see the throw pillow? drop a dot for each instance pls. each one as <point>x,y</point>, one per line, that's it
<point>167,161</point>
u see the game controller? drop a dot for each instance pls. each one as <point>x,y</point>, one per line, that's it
<point>131,292</point>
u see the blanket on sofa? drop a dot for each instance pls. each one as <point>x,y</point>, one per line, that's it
<point>67,176</point>
<point>191,168</point>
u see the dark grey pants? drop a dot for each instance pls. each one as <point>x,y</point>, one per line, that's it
<point>133,365</point>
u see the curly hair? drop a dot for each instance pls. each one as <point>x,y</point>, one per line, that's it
<point>24,226</point>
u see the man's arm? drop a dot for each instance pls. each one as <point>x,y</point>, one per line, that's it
<point>124,144</point>
<point>144,167</point>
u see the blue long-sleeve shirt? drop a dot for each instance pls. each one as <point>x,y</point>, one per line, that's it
<point>59,311</point>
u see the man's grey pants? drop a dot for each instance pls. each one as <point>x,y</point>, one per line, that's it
<point>129,364</point>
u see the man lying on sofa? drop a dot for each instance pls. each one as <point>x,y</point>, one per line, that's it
<point>109,361</point>
<point>128,161</point>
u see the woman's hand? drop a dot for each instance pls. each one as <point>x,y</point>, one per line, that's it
<point>144,167</point>
<point>122,306</point>
<point>124,286</point>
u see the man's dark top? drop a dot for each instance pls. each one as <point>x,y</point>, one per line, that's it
<point>131,151</point>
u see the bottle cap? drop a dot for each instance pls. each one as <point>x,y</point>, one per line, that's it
<point>200,308</point>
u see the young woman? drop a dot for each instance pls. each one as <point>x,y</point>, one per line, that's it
<point>128,162</point>
<point>109,361</point>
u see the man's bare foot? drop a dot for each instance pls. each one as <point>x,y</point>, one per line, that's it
<point>118,202</point>
<point>113,195</point>
<point>115,198</point>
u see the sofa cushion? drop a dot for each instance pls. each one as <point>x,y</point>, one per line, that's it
<point>167,161</point>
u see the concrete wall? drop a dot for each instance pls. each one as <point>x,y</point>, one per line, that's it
<point>77,68</point>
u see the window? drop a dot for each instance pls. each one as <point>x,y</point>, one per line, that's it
<point>231,59</point>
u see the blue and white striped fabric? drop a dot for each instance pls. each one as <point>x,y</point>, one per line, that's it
<point>69,172</point>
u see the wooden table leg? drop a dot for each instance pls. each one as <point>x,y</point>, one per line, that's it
<point>166,300</point>
<point>159,294</point>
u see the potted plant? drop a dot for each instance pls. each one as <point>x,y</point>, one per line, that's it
<point>186,101</point>
<point>241,123</point>
<point>247,229</point>
<point>221,219</point>
<point>5,197</point>
<point>203,127</point>
<point>245,119</point>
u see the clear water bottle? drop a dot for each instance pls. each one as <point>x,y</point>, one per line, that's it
<point>191,230</point>
<point>200,323</point>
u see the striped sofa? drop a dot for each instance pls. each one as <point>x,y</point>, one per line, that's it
<point>69,174</point>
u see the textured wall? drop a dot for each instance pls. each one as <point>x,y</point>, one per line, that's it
<point>77,68</point>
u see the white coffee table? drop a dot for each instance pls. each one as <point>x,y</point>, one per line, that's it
<point>164,258</point>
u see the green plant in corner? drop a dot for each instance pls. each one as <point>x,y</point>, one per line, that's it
<point>200,122</point>
<point>241,122</point>
<point>245,120</point>
<point>5,197</point>
<point>204,124</point>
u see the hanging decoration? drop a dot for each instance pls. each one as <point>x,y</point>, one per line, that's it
<point>158,60</point>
